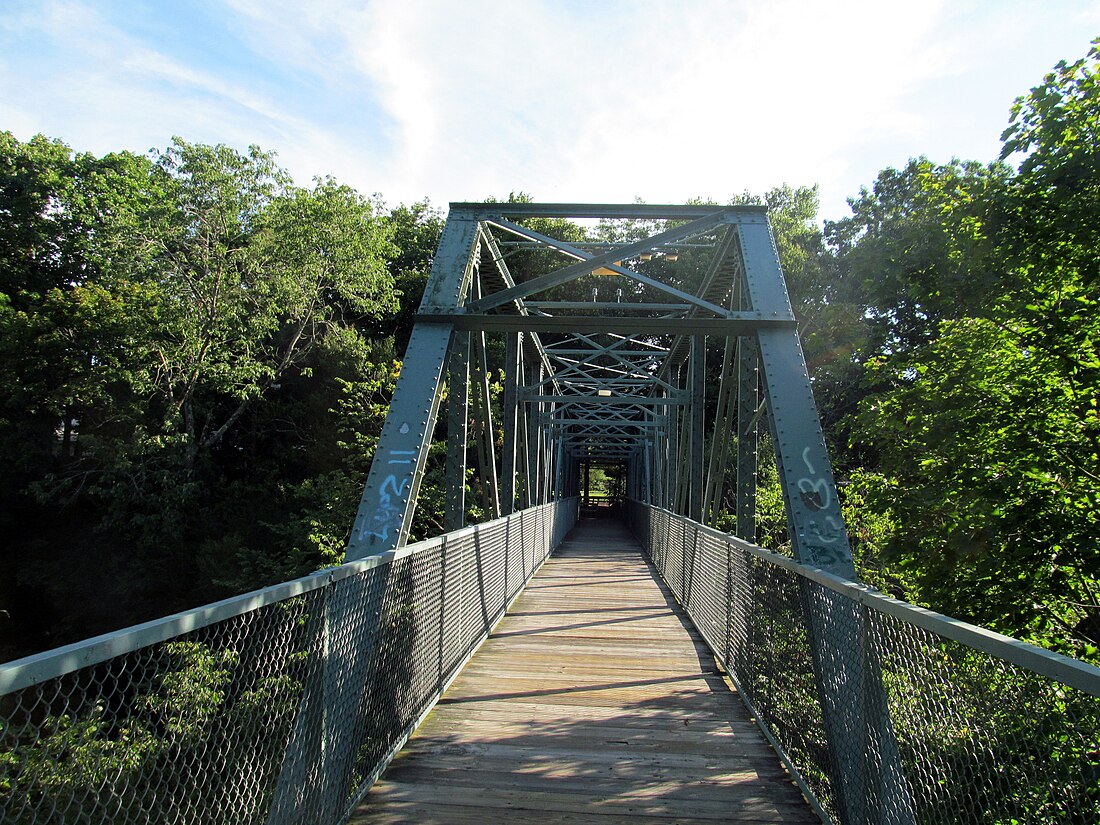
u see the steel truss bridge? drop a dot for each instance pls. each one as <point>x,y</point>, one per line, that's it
<point>649,346</point>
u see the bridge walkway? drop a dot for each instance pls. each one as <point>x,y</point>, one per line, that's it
<point>594,700</point>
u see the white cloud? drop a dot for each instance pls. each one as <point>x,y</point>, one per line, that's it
<point>651,99</point>
<point>568,101</point>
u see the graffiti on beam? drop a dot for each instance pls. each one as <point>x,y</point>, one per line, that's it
<point>813,491</point>
<point>390,511</point>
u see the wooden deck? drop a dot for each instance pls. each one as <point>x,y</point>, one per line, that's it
<point>593,701</point>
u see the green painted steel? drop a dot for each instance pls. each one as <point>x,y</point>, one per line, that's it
<point>624,384</point>
<point>621,386</point>
<point>458,415</point>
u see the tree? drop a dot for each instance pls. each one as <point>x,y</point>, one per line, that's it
<point>985,407</point>
<point>179,333</point>
<point>915,250</point>
<point>416,231</point>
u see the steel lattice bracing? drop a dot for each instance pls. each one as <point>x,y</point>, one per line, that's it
<point>606,333</point>
<point>606,360</point>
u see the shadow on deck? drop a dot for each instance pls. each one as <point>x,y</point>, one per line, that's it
<point>594,700</point>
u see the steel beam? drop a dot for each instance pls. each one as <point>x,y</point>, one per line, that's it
<point>542,283</point>
<point>512,351</point>
<point>640,211</point>
<point>732,324</point>
<point>698,404</point>
<point>458,404</point>
<point>748,414</point>
<point>856,712</point>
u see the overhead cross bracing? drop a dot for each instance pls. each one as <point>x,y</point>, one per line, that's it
<point>605,329</point>
<point>605,362</point>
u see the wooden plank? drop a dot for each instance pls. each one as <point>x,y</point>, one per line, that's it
<point>523,799</point>
<point>593,701</point>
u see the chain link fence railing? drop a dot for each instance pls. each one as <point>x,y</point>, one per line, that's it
<point>980,728</point>
<point>279,706</point>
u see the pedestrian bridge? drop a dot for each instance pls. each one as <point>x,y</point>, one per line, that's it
<point>574,657</point>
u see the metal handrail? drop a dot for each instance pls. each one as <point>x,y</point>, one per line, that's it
<point>989,729</point>
<point>51,664</point>
<point>281,705</point>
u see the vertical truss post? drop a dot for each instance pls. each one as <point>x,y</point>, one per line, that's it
<point>648,476</point>
<point>534,440</point>
<point>547,456</point>
<point>487,467</point>
<point>868,777</point>
<point>695,461</point>
<point>559,467</point>
<point>656,456</point>
<point>524,436</point>
<point>537,435</point>
<point>458,416</point>
<point>539,456</point>
<point>512,369</point>
<point>720,435</point>
<point>672,469</point>
<point>683,458</point>
<point>748,401</point>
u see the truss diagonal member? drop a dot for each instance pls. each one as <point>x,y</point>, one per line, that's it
<point>497,259</point>
<point>608,259</point>
<point>638,342</point>
<point>713,288</point>
<point>584,367</point>
<point>620,252</point>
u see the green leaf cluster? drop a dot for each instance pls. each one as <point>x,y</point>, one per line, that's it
<point>980,373</point>
<point>185,332</point>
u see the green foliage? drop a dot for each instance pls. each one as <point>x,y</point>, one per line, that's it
<point>873,527</point>
<point>985,743</point>
<point>984,423</point>
<point>189,691</point>
<point>984,371</point>
<point>183,333</point>
<point>198,703</point>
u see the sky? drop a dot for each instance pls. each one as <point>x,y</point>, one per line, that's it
<point>593,101</point>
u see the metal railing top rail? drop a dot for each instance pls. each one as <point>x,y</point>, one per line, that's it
<point>39,667</point>
<point>1065,669</point>
<point>886,713</point>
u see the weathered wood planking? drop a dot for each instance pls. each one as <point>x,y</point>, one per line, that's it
<point>593,701</point>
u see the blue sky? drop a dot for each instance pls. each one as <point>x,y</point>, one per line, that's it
<point>599,101</point>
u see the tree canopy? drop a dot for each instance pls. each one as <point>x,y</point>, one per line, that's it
<point>189,332</point>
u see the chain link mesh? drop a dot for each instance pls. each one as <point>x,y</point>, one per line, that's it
<point>283,713</point>
<point>884,713</point>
